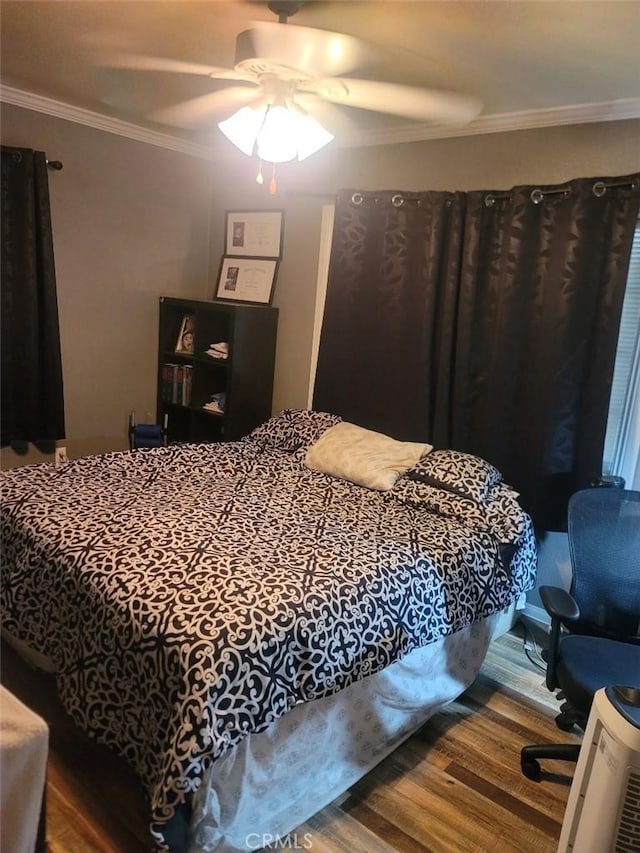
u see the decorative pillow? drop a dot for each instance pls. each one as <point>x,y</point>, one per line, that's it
<point>500,515</point>
<point>363,456</point>
<point>292,429</point>
<point>461,473</point>
<point>442,501</point>
<point>505,513</point>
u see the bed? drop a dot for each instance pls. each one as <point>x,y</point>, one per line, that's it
<point>218,613</point>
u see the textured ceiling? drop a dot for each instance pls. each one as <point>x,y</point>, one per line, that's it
<point>515,56</point>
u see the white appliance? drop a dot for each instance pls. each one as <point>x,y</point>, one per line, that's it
<point>603,810</point>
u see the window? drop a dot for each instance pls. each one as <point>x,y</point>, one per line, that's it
<point>622,443</point>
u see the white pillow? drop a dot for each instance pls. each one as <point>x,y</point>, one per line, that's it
<point>363,456</point>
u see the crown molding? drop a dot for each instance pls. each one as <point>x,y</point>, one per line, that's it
<point>89,118</point>
<point>600,111</point>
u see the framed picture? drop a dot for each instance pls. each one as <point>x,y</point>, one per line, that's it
<point>254,233</point>
<point>185,335</point>
<point>247,279</point>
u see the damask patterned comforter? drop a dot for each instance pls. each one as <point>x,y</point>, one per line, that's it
<point>192,594</point>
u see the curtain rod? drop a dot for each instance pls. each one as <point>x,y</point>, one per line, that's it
<point>600,187</point>
<point>54,165</point>
<point>397,200</point>
<point>537,195</point>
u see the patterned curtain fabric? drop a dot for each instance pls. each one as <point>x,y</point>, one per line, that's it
<point>32,408</point>
<point>389,322</point>
<point>485,322</point>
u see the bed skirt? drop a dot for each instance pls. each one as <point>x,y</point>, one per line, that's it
<point>275,780</point>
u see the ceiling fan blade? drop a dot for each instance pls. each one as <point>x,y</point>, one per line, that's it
<point>411,102</point>
<point>140,62</point>
<point>330,116</point>
<point>206,108</point>
<point>316,52</point>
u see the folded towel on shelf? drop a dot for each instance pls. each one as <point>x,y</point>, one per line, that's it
<point>218,350</point>
<point>217,403</point>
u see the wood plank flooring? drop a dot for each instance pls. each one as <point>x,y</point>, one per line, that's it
<point>454,786</point>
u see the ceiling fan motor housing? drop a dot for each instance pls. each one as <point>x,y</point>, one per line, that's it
<point>284,9</point>
<point>288,64</point>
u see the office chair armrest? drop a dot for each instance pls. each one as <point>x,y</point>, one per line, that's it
<point>559,603</point>
<point>561,606</point>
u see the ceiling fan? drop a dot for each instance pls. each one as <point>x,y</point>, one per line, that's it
<point>301,69</point>
<point>301,61</point>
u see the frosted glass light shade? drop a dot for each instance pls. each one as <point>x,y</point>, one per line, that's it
<point>242,127</point>
<point>277,138</point>
<point>278,132</point>
<point>312,136</point>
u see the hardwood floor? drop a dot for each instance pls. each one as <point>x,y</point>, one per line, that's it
<point>454,786</point>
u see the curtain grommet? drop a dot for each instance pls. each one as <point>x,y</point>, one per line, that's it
<point>489,200</point>
<point>599,189</point>
<point>397,200</point>
<point>537,196</point>
<point>357,199</point>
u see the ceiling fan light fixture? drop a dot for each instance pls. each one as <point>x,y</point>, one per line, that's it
<point>277,138</point>
<point>278,131</point>
<point>243,126</point>
<point>312,136</point>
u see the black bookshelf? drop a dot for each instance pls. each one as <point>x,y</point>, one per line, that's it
<point>236,390</point>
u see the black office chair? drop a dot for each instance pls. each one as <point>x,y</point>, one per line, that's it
<point>604,543</point>
<point>595,628</point>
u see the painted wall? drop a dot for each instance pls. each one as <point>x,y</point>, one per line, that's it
<point>133,222</point>
<point>130,222</point>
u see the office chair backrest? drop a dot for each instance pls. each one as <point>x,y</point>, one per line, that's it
<point>604,543</point>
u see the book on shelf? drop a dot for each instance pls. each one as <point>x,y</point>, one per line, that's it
<point>167,381</point>
<point>176,383</point>
<point>186,384</point>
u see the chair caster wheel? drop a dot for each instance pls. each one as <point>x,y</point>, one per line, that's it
<point>531,768</point>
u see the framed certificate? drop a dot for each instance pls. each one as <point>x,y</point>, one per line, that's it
<point>254,233</point>
<point>247,279</point>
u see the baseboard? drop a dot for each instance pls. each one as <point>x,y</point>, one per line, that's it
<point>535,624</point>
<point>537,614</point>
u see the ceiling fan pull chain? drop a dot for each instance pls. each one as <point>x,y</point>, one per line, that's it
<point>259,178</point>
<point>273,189</point>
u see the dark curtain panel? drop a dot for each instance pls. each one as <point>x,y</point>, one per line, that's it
<point>32,393</point>
<point>541,295</point>
<point>485,322</point>
<point>391,309</point>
